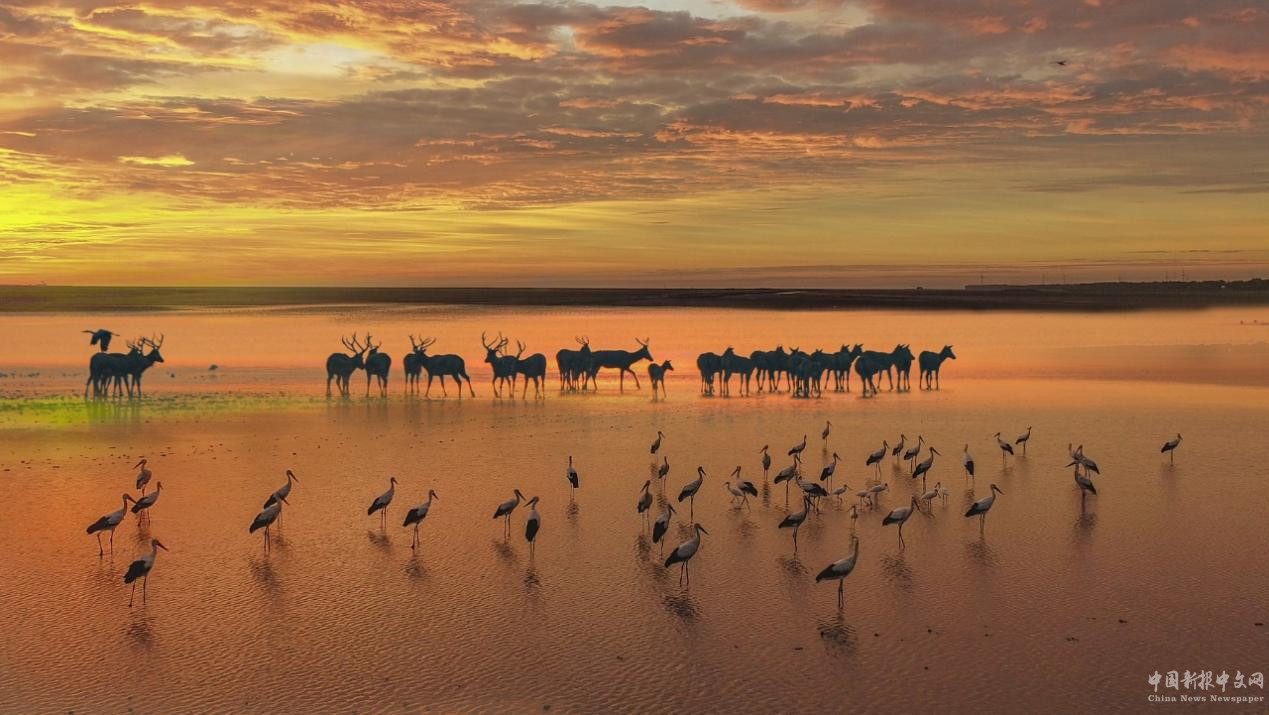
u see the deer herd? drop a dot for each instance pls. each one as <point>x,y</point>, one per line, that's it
<point>801,373</point>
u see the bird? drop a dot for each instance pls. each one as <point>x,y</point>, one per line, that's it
<point>968,461</point>
<point>141,568</point>
<point>840,569</point>
<point>745,485</point>
<point>788,473</point>
<point>101,337</point>
<point>928,497</point>
<point>505,508</point>
<point>766,461</point>
<point>900,515</point>
<point>737,493</point>
<point>283,491</point>
<point>664,469</point>
<point>877,456</point>
<point>797,448</point>
<point>656,444</point>
<point>876,490</point>
<point>898,448</point>
<point>812,489</point>
<point>147,501</point>
<point>827,472</point>
<point>943,492</point>
<point>828,429</point>
<point>143,476</point>
<point>911,455</point>
<point>1023,439</point>
<point>266,518</point>
<point>1170,447</point>
<point>572,475</point>
<point>795,520</point>
<point>982,506</point>
<point>684,552</point>
<point>689,490</point>
<point>1005,447</point>
<point>839,492</point>
<point>1083,481</point>
<point>1088,464</point>
<point>414,517</point>
<point>662,524</point>
<point>854,516</point>
<point>108,523</point>
<point>864,494</point>
<point>533,523</point>
<point>1061,63</point>
<point>382,501</point>
<point>645,499</point>
<point>924,467</point>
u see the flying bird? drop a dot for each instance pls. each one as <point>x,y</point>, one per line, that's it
<point>101,338</point>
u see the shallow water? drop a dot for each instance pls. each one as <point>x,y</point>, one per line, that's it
<point>1058,603</point>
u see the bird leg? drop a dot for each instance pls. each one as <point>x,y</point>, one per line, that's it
<point>134,594</point>
<point>112,541</point>
<point>145,580</point>
<point>101,551</point>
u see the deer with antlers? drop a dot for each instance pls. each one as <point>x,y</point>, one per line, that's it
<point>440,366</point>
<point>620,360</point>
<point>378,365</point>
<point>532,368</point>
<point>503,365</point>
<point>137,363</point>
<point>340,367</point>
<point>573,365</point>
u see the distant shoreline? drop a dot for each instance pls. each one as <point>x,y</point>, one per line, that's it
<point>1073,297</point>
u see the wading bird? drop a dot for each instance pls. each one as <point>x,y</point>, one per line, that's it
<point>828,429</point>
<point>864,494</point>
<point>840,569</point>
<point>1005,447</point>
<point>744,485</point>
<point>911,455</point>
<point>737,493</point>
<point>381,502</point>
<point>645,499</point>
<point>900,516</point>
<point>265,519</point>
<point>787,474</point>
<point>415,516</point>
<point>143,476</point>
<point>795,520</point>
<point>928,497</point>
<point>684,552</point>
<point>656,444</point>
<point>924,467</point>
<point>533,523</point>
<point>144,503</point>
<point>942,493</point>
<point>826,474</point>
<point>982,506</point>
<point>571,474</point>
<point>876,490</point>
<point>108,523</point>
<point>798,448</point>
<point>1170,447</point>
<point>662,524</point>
<point>839,492</point>
<point>140,569</point>
<point>898,448</point>
<point>1023,439</point>
<point>690,489</point>
<point>663,470</point>
<point>766,461</point>
<point>874,458</point>
<point>1083,481</point>
<point>505,508</point>
<point>968,461</point>
<point>1088,464</point>
<point>283,491</point>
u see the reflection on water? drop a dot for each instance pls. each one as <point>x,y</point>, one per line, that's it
<point>838,636</point>
<point>897,572</point>
<point>982,553</point>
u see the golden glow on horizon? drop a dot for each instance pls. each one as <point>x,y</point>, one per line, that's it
<point>894,142</point>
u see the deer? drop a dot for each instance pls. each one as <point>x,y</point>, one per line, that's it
<point>137,363</point>
<point>103,368</point>
<point>573,365</point>
<point>709,365</point>
<point>903,367</point>
<point>378,365</point>
<point>412,364</point>
<point>656,373</point>
<point>620,360</point>
<point>340,367</point>
<point>441,365</point>
<point>866,367</point>
<point>532,368</point>
<point>885,361</point>
<point>503,366</point>
<point>842,361</point>
<point>930,364</point>
<point>735,364</point>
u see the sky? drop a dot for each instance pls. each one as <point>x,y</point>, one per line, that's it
<point>747,143</point>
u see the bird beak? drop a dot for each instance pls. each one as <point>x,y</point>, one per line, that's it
<point>703,529</point>
<point>284,501</point>
<point>160,545</point>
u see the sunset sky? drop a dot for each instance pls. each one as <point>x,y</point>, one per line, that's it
<point>728,142</point>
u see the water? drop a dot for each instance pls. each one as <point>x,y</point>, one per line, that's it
<point>1059,603</point>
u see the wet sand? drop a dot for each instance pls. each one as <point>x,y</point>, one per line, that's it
<point>1058,604</point>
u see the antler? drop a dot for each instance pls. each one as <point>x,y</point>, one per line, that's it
<point>643,342</point>
<point>520,345</point>
<point>356,346</point>
<point>483,340</point>
<point>502,342</point>
<point>426,343</point>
